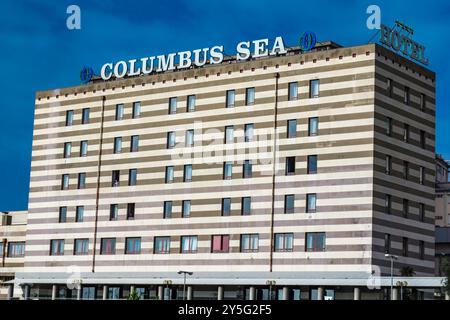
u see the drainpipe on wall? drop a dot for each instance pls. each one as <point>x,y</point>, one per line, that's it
<point>4,251</point>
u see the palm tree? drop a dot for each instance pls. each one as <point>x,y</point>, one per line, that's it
<point>408,271</point>
<point>134,295</point>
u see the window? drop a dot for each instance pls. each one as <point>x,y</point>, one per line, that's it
<point>190,107</point>
<point>82,180</point>
<point>187,173</point>
<point>227,170</point>
<point>85,116</point>
<point>422,139</point>
<point>131,208</point>
<point>388,164</point>
<point>229,134</point>
<point>172,105</point>
<point>56,247</point>
<point>313,126</point>
<point>387,243</point>
<point>315,241</point>
<point>136,110</point>
<point>83,148</point>
<point>2,248</point>
<point>389,86</point>
<point>134,147</point>
<point>132,177</point>
<point>290,165</point>
<point>250,96</point>
<point>108,246</point>
<point>387,203</point>
<point>388,126</point>
<point>189,138</point>
<point>421,175</point>
<point>67,149</point>
<point>246,205</point>
<point>249,242</point>
<point>231,94</point>
<point>423,102</point>
<point>283,242</point>
<point>88,293</point>
<point>62,214</point>
<point>421,212</point>
<point>69,118</point>
<point>119,111</point>
<point>170,140</point>
<point>115,178</point>
<point>292,91</point>
<point>248,132</point>
<point>405,170</point>
<point>289,201</point>
<point>405,246</point>
<point>312,164</point>
<point>81,247</point>
<point>132,245</point>
<point>314,88</point>
<point>65,182</point>
<point>167,214</point>
<point>220,243</point>
<point>113,212</point>
<point>16,249</point>
<point>311,199</point>
<point>79,214</point>
<point>291,128</point>
<point>406,96</point>
<point>247,169</point>
<point>405,132</point>
<point>117,144</point>
<point>226,206</point>
<point>169,174</point>
<point>189,244</point>
<point>162,245</point>
<point>186,210</point>
<point>421,249</point>
<point>405,208</point>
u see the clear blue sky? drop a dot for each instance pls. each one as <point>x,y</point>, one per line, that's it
<point>38,52</point>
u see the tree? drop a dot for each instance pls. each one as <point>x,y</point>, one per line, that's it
<point>409,293</point>
<point>407,271</point>
<point>445,271</point>
<point>134,295</point>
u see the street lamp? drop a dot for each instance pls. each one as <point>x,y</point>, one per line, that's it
<point>184,282</point>
<point>392,257</point>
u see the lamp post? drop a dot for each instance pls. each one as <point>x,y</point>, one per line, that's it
<point>184,282</point>
<point>392,257</point>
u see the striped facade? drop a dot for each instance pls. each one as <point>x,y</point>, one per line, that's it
<point>350,183</point>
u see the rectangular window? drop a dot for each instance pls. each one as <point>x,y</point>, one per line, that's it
<point>405,170</point>
<point>82,180</point>
<point>119,111</point>
<point>231,95</point>
<point>389,86</point>
<point>250,96</point>
<point>65,182</point>
<point>186,210</point>
<point>313,126</point>
<point>187,173</point>
<point>132,177</point>
<point>85,116</point>
<point>388,164</point>
<point>169,174</point>
<point>113,212</point>
<point>387,243</point>
<point>108,246</point>
<point>315,241</point>
<point>249,242</point>
<point>283,242</point>
<point>67,149</point>
<point>131,208</point>
<point>289,201</point>
<point>190,107</point>
<point>421,175</point>
<point>312,164</point>
<point>69,118</point>
<point>290,165</point>
<point>311,200</point>
<point>79,214</point>
<point>220,243</point>
<point>115,181</point>
<point>248,132</point>
<point>189,138</point>
<point>314,88</point>
<point>81,247</point>
<point>227,170</point>
<point>83,148</point>
<point>132,245</point>
<point>406,132</point>
<point>388,126</point>
<point>62,214</point>
<point>167,214</point>
<point>117,144</point>
<point>292,91</point>
<point>161,245</point>
<point>134,146</point>
<point>246,206</point>
<point>406,97</point>
<point>291,128</point>
<point>421,249</point>
<point>423,102</point>
<point>405,208</point>
<point>422,139</point>
<point>405,246</point>
<point>170,139</point>
<point>172,105</point>
<point>229,134</point>
<point>136,110</point>
<point>56,247</point>
<point>247,169</point>
<point>226,206</point>
<point>421,212</point>
<point>15,249</point>
<point>189,244</point>
<point>2,248</point>
<point>387,203</point>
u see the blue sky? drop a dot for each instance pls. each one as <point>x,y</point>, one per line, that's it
<point>38,52</point>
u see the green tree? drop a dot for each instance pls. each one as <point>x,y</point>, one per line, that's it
<point>445,271</point>
<point>407,271</point>
<point>134,295</point>
<point>409,293</point>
